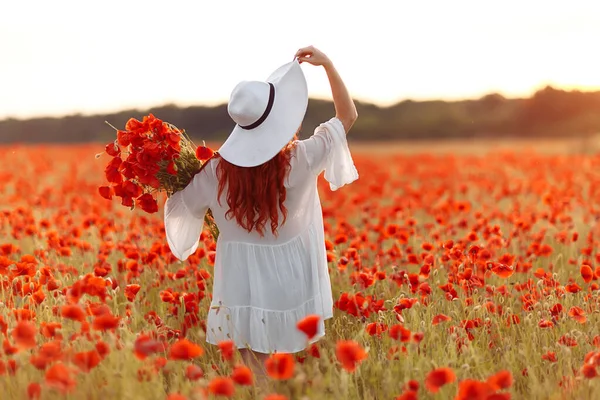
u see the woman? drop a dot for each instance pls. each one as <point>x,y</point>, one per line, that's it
<point>271,267</point>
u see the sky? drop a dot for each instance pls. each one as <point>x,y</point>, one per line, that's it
<point>63,57</point>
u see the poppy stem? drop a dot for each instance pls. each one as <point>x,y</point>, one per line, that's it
<point>109,124</point>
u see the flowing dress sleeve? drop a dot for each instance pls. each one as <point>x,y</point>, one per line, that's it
<point>327,150</point>
<point>184,214</point>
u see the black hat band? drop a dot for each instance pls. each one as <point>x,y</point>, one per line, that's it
<point>267,110</point>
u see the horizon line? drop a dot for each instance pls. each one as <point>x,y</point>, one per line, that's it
<point>362,100</point>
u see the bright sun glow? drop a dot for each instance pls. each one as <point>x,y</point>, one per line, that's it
<point>62,56</point>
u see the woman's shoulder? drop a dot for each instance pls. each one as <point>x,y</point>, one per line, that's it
<point>299,155</point>
<point>299,170</point>
<point>205,177</point>
<point>209,168</point>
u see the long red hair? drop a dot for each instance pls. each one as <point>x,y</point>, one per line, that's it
<point>256,195</point>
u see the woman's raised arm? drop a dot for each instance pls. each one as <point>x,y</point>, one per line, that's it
<point>345,110</point>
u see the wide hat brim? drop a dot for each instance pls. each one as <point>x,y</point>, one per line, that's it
<point>252,147</point>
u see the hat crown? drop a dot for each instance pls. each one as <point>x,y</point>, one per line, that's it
<point>267,114</point>
<point>248,102</point>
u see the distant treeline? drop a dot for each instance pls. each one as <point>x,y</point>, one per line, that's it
<point>548,113</point>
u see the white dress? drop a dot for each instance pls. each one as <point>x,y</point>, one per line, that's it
<point>264,285</point>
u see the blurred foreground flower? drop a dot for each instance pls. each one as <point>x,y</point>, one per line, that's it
<point>350,354</point>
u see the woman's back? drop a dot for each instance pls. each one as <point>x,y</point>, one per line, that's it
<point>276,278</point>
<point>300,187</point>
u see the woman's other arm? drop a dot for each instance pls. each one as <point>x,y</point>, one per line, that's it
<point>345,110</point>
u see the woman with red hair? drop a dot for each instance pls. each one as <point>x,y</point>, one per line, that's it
<point>270,267</point>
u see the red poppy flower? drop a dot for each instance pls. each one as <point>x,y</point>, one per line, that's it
<point>226,347</point>
<point>131,291</point>
<point>572,288</point>
<point>102,348</point>
<point>242,375</point>
<point>34,391</point>
<point>203,153</point>
<point>545,324</point>
<point>185,350</point>
<point>440,318</point>
<point>60,377</point>
<point>47,354</point>
<point>313,351</point>
<point>470,389</point>
<point>193,372</point>
<point>87,360</point>
<point>171,168</point>
<point>556,309</point>
<point>309,325</point>
<point>438,378</point>
<point>24,334</point>
<point>376,328</point>
<point>399,332</point>
<point>502,270</point>
<point>408,395</point>
<point>221,386</point>
<point>586,273</point>
<point>124,138</point>
<point>147,203</point>
<point>350,354</point>
<point>131,189</point>
<point>176,396</point>
<point>112,172</point>
<point>550,356</point>
<point>106,191</point>
<point>577,314</point>
<point>567,340</point>
<point>73,311</point>
<point>134,125</point>
<point>127,201</point>
<point>112,149</point>
<point>501,380</point>
<point>105,322</point>
<point>589,371</point>
<point>275,396</point>
<point>280,366</point>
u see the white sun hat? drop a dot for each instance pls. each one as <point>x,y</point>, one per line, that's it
<point>267,115</point>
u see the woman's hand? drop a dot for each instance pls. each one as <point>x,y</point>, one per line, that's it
<point>312,56</point>
<point>345,110</point>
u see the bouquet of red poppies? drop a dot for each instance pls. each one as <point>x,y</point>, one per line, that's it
<point>149,157</point>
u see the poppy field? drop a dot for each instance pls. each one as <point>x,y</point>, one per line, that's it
<point>455,276</point>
